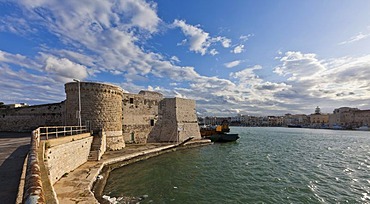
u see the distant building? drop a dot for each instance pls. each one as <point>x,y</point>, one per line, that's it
<point>297,119</point>
<point>349,118</point>
<point>275,121</point>
<point>318,119</point>
<point>216,120</point>
<point>14,105</point>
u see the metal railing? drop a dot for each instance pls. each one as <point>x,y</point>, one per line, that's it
<point>59,131</point>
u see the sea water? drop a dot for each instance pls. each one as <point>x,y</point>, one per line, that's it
<point>266,165</point>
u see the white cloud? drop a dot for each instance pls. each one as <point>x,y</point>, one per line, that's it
<point>296,64</point>
<point>19,60</point>
<point>232,64</point>
<point>198,39</point>
<point>333,82</point>
<point>358,37</point>
<point>142,14</point>
<point>175,59</point>
<point>245,74</point>
<point>238,49</point>
<point>108,36</point>
<point>16,25</point>
<point>225,42</point>
<point>213,52</point>
<point>244,38</point>
<point>65,70</point>
<point>21,86</point>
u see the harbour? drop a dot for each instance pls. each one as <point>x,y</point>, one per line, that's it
<point>266,165</point>
<point>144,101</point>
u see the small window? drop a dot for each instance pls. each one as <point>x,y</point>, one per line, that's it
<point>151,122</point>
<point>131,100</point>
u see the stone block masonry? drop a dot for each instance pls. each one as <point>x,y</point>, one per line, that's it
<point>26,119</point>
<point>139,115</point>
<point>177,121</point>
<point>63,158</point>
<point>135,118</point>
<point>101,108</point>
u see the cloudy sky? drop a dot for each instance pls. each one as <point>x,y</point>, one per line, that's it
<point>248,57</point>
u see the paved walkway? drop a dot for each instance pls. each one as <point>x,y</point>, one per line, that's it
<point>13,150</point>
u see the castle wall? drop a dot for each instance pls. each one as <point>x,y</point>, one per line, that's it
<point>139,115</point>
<point>61,160</point>
<point>28,118</point>
<point>137,118</point>
<point>177,121</point>
<point>101,108</point>
<point>186,117</point>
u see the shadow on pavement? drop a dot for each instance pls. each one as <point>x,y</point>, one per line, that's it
<point>15,134</point>
<point>10,173</point>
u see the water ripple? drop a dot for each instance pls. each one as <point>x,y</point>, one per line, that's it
<point>266,165</point>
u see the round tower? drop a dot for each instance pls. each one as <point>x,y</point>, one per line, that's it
<point>101,109</point>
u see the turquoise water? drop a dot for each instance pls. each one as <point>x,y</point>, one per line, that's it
<point>266,165</point>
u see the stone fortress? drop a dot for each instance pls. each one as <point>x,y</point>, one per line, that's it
<point>123,117</point>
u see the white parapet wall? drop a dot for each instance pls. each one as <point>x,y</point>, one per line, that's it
<point>67,156</point>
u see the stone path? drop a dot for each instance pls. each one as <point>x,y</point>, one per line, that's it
<point>13,150</point>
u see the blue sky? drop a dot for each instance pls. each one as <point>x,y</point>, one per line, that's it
<point>248,57</point>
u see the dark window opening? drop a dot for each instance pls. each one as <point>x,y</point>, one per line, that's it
<point>131,100</point>
<point>151,122</point>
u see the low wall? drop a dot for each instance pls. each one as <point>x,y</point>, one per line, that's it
<point>64,158</point>
<point>33,190</point>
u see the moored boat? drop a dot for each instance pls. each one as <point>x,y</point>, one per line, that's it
<point>223,137</point>
<point>218,133</point>
<point>337,127</point>
<point>294,126</point>
<point>363,128</point>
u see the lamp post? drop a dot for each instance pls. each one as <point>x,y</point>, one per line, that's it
<point>79,102</point>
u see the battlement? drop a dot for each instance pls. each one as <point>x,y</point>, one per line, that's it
<point>151,94</point>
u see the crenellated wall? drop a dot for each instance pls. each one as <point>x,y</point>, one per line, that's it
<point>26,119</point>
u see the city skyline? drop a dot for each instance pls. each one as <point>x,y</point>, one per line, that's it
<point>245,57</point>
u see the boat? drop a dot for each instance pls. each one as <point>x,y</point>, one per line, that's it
<point>222,137</point>
<point>363,128</point>
<point>337,127</point>
<point>294,126</point>
<point>218,133</point>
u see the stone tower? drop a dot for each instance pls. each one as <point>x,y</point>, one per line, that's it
<point>177,121</point>
<point>101,108</point>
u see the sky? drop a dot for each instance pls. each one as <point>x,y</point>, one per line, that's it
<point>233,57</point>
